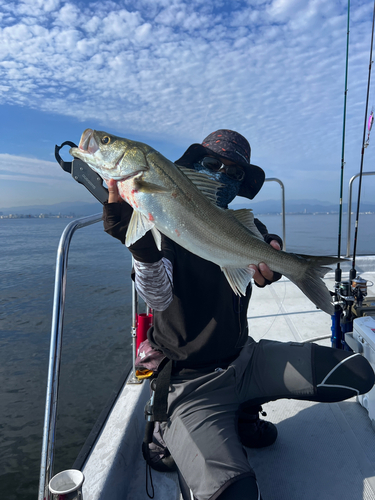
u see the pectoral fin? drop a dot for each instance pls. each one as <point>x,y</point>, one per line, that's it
<point>238,278</point>
<point>148,187</point>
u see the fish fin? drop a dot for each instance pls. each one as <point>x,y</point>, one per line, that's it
<point>311,283</point>
<point>246,217</point>
<point>148,187</point>
<point>205,184</point>
<point>238,278</point>
<point>157,237</point>
<point>138,227</point>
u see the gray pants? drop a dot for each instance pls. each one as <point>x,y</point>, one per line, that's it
<point>201,433</point>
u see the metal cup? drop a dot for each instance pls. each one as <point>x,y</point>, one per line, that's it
<point>67,485</point>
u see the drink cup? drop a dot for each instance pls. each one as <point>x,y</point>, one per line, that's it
<point>67,485</point>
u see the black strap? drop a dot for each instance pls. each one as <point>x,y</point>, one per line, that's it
<point>161,393</point>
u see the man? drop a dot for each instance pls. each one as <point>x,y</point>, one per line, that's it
<point>219,373</point>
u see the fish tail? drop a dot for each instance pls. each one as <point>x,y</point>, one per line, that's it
<point>311,282</point>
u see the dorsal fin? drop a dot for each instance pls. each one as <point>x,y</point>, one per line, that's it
<point>203,182</point>
<point>246,217</point>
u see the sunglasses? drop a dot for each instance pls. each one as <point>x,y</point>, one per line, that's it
<point>232,171</point>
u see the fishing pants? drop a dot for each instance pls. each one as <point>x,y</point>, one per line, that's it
<point>201,431</point>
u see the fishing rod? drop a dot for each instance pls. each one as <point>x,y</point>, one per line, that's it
<point>338,270</point>
<point>353,272</point>
<point>337,334</point>
<point>353,292</point>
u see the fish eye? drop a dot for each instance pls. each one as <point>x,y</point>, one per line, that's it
<point>106,140</point>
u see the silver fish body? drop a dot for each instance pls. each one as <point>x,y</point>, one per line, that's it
<point>179,203</point>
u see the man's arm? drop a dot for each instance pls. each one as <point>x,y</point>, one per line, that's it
<point>153,273</point>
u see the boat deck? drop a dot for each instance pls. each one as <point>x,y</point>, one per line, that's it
<point>323,451</point>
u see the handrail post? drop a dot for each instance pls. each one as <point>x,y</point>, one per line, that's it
<point>50,414</point>
<point>282,206</point>
<point>350,209</point>
<point>133,379</point>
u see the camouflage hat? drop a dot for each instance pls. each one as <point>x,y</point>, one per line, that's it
<point>232,146</point>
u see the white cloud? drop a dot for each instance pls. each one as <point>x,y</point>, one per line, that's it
<point>273,70</point>
<point>68,15</point>
<point>29,181</point>
<point>13,167</point>
<point>281,10</point>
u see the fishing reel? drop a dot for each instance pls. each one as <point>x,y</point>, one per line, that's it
<point>350,295</point>
<point>344,299</point>
<point>351,302</point>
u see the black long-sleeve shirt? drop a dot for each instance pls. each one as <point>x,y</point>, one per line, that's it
<point>204,322</point>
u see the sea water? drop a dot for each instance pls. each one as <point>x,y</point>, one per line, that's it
<point>96,341</point>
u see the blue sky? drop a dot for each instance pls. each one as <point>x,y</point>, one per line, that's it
<point>169,72</point>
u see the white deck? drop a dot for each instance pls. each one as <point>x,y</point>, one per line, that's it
<point>323,451</point>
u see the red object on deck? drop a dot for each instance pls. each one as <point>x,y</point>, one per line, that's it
<point>144,321</point>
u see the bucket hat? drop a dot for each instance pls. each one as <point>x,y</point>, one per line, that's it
<point>233,146</point>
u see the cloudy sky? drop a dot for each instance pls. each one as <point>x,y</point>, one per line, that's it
<point>169,72</point>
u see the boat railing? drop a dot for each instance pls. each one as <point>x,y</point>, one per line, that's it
<point>274,179</point>
<point>350,209</point>
<point>50,415</point>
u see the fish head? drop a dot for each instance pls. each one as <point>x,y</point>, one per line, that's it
<point>110,156</point>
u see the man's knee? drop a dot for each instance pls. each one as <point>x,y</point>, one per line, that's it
<point>341,374</point>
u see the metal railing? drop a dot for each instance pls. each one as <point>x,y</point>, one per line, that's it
<point>50,414</point>
<point>350,209</point>
<point>274,179</point>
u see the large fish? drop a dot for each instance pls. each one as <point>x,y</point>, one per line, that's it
<point>180,203</point>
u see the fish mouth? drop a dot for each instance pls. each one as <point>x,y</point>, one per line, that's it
<point>88,142</point>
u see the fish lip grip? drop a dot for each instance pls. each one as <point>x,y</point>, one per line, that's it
<point>82,173</point>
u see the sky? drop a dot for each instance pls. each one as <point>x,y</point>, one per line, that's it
<point>169,72</point>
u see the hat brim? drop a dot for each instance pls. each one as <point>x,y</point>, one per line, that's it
<point>254,175</point>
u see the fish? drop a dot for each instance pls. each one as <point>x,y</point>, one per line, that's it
<point>181,204</point>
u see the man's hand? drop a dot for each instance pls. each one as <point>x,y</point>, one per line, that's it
<point>263,274</point>
<point>113,194</point>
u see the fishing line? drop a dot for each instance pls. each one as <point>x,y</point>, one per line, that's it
<point>280,309</point>
<point>338,270</point>
<point>205,120</point>
<point>336,327</point>
<point>353,272</point>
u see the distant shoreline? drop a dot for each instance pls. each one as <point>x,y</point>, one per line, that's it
<point>74,216</point>
<point>312,213</point>
<point>41,216</point>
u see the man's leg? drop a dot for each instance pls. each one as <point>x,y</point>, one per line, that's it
<point>254,432</point>
<point>202,437</point>
<point>242,489</point>
<point>274,370</point>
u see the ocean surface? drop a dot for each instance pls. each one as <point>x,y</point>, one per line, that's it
<point>97,340</point>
